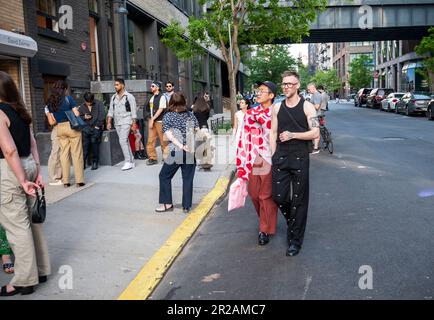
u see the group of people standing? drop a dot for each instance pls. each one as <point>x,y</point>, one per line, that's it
<point>68,143</point>
<point>273,147</point>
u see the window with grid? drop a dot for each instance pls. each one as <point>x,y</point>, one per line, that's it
<point>47,11</point>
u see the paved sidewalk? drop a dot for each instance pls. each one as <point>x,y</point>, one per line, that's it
<point>106,233</point>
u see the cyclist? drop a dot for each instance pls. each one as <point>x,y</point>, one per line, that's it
<point>316,101</point>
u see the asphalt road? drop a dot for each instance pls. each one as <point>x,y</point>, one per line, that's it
<point>371,204</point>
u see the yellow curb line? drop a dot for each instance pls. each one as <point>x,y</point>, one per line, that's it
<point>151,274</point>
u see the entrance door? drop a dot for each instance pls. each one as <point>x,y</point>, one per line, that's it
<point>49,82</point>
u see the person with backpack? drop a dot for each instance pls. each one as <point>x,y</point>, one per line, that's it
<point>123,110</point>
<point>155,109</point>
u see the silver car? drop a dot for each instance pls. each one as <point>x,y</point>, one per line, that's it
<point>412,103</point>
<point>391,100</point>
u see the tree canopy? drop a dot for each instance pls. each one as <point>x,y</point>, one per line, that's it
<point>269,62</point>
<point>328,79</point>
<point>361,72</point>
<point>229,24</point>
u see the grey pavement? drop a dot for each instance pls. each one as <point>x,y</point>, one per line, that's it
<point>106,233</point>
<point>371,204</point>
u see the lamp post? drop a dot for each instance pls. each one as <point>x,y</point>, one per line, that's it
<point>123,12</point>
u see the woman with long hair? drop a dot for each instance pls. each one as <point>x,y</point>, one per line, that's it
<point>179,126</point>
<point>71,145</point>
<point>20,176</point>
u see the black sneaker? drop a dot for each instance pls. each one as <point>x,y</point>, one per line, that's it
<point>263,238</point>
<point>151,162</point>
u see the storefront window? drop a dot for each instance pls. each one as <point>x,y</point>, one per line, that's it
<point>47,14</point>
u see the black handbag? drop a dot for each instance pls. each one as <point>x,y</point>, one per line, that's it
<point>39,210</point>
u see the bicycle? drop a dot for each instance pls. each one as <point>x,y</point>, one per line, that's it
<point>326,141</point>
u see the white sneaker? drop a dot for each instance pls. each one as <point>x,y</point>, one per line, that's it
<point>57,183</point>
<point>315,151</point>
<point>128,166</point>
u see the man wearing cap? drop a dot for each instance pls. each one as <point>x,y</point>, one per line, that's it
<point>254,159</point>
<point>155,108</point>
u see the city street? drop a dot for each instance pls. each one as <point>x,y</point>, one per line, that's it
<point>371,204</point>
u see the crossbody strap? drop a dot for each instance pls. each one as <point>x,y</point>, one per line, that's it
<point>283,105</point>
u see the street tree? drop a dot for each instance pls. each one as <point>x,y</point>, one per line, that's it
<point>229,24</point>
<point>426,47</point>
<point>269,62</point>
<point>361,72</point>
<point>303,71</point>
<point>328,79</point>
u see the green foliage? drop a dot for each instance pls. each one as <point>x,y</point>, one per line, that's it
<point>269,63</point>
<point>256,23</point>
<point>361,72</point>
<point>426,47</point>
<point>303,71</point>
<point>329,79</point>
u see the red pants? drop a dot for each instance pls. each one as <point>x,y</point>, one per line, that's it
<point>260,190</point>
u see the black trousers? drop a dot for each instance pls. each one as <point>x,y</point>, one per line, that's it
<point>168,171</point>
<point>91,140</point>
<point>291,190</point>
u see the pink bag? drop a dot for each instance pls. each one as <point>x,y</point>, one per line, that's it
<point>237,194</point>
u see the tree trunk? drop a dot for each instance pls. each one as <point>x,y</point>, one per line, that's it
<point>233,94</point>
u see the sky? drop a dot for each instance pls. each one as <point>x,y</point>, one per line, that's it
<point>297,49</point>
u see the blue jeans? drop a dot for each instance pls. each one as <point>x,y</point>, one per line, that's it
<point>169,169</point>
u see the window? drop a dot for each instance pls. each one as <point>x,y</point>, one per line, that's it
<point>93,5</point>
<point>47,11</point>
<point>199,68</point>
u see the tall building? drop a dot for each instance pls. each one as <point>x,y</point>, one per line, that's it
<point>398,66</point>
<point>312,65</point>
<point>343,54</point>
<point>15,46</point>
<point>325,56</point>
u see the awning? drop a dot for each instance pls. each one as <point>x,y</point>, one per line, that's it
<point>17,45</point>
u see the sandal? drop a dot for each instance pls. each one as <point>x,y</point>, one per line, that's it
<point>23,290</point>
<point>166,208</point>
<point>8,266</point>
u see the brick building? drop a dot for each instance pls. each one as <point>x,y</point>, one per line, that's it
<point>62,54</point>
<point>15,46</point>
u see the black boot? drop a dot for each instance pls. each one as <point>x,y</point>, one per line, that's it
<point>94,165</point>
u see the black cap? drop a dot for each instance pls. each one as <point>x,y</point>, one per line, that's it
<point>270,85</point>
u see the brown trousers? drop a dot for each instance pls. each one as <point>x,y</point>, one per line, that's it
<point>25,238</point>
<point>260,191</point>
<point>156,131</point>
<point>71,146</point>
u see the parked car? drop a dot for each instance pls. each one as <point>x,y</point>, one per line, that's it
<point>430,109</point>
<point>412,103</point>
<point>376,96</point>
<point>361,96</point>
<point>391,100</point>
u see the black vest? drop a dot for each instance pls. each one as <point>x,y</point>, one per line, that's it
<point>19,130</point>
<point>157,99</point>
<point>293,120</point>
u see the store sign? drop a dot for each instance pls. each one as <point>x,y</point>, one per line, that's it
<point>17,45</point>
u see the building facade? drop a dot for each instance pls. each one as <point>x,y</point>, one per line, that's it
<point>399,67</point>
<point>343,54</point>
<point>63,54</point>
<point>15,46</point>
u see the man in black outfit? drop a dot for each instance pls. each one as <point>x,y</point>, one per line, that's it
<point>92,112</point>
<point>294,124</point>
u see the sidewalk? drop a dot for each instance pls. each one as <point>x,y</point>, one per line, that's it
<point>107,231</point>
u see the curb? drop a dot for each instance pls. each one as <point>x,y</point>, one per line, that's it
<point>141,287</point>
